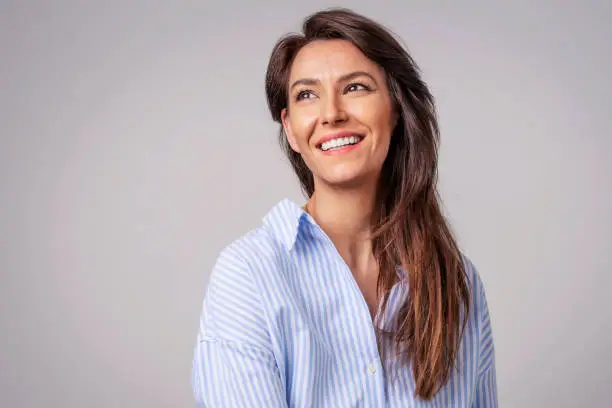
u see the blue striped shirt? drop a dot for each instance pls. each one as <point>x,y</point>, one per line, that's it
<point>284,324</point>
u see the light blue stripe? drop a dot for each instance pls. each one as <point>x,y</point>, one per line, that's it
<point>284,325</point>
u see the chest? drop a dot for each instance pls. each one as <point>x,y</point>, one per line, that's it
<point>326,348</point>
<point>368,288</point>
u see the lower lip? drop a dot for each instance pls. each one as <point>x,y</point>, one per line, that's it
<point>342,150</point>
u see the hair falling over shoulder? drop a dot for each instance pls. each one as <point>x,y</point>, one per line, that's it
<point>411,230</point>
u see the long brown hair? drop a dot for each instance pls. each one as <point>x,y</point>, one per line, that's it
<point>411,230</point>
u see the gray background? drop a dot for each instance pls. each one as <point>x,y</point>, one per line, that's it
<point>135,144</point>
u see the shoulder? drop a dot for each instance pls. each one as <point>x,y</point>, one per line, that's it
<point>481,319</point>
<point>474,279</point>
<point>253,250</point>
<point>255,260</point>
<point>479,305</point>
<point>479,308</point>
<point>265,249</point>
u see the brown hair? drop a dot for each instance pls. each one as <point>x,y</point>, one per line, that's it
<point>411,230</point>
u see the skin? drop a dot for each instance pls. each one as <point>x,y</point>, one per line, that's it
<point>334,87</point>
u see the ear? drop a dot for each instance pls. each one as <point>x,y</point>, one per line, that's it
<point>288,131</point>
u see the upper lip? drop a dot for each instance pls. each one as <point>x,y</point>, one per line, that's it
<point>337,135</point>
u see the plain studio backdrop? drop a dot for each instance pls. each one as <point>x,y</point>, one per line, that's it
<point>136,143</point>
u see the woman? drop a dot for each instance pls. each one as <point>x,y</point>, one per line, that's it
<point>361,297</point>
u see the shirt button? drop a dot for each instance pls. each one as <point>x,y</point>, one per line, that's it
<point>372,368</point>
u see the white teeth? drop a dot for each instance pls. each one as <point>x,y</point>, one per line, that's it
<point>340,142</point>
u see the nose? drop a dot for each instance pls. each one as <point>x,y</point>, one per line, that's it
<point>332,112</point>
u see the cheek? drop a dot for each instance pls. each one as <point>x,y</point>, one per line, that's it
<point>376,114</point>
<point>380,124</point>
<point>379,119</point>
<point>302,123</point>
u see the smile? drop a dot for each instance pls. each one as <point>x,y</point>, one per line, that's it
<point>339,143</point>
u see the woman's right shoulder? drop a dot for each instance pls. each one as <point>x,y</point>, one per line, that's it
<point>262,258</point>
<point>256,252</point>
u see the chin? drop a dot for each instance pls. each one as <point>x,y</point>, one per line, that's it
<point>345,179</point>
<point>349,174</point>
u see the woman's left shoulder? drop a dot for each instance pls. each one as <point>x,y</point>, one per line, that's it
<point>472,273</point>
<point>476,285</point>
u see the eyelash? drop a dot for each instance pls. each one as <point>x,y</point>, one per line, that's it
<point>365,87</point>
<point>300,94</point>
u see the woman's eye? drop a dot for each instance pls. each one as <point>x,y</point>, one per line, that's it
<point>356,87</point>
<point>303,95</point>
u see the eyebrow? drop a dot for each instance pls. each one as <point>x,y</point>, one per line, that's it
<point>343,78</point>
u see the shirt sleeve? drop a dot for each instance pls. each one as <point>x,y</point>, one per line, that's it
<point>486,387</point>
<point>233,364</point>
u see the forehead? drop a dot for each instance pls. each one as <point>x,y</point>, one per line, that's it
<point>330,58</point>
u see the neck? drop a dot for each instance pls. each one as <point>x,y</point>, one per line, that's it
<point>346,217</point>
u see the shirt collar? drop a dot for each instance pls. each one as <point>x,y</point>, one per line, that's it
<point>284,221</point>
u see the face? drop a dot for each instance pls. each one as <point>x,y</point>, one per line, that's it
<point>339,116</point>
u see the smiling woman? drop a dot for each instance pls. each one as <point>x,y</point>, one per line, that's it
<point>361,297</point>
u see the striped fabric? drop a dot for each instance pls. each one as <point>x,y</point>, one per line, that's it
<point>284,324</point>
